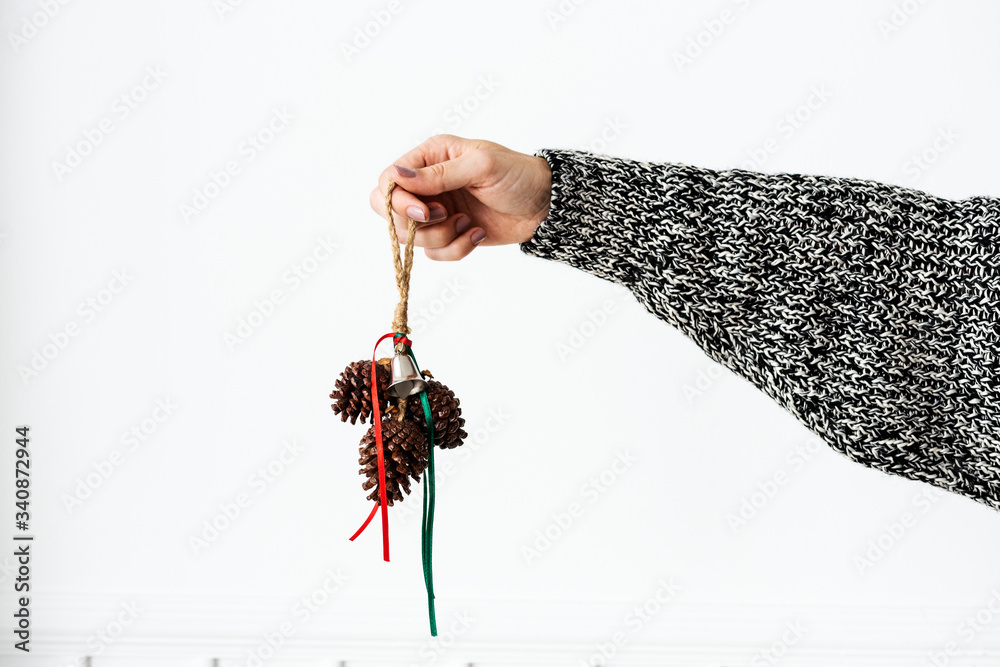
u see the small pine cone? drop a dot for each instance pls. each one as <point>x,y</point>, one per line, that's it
<point>405,452</point>
<point>445,412</point>
<point>352,393</point>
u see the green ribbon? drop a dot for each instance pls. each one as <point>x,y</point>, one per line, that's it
<point>427,526</point>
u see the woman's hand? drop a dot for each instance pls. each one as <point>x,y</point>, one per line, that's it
<point>464,192</point>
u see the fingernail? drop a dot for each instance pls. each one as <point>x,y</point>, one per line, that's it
<point>437,212</point>
<point>415,213</point>
<point>405,172</point>
<point>478,236</point>
<point>462,224</point>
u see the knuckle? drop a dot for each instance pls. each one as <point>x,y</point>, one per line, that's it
<point>483,160</point>
<point>451,253</point>
<point>436,170</point>
<point>438,236</point>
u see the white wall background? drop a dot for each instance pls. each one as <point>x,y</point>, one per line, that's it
<point>900,80</point>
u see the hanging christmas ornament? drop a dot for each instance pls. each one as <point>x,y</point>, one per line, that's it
<point>353,391</point>
<point>406,456</point>
<point>411,415</point>
<point>445,413</point>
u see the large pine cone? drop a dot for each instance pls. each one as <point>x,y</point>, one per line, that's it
<point>445,413</point>
<point>353,391</point>
<point>405,452</point>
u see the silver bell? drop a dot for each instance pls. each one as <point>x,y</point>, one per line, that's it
<point>405,380</point>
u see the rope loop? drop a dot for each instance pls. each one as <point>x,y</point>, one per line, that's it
<point>403,265</point>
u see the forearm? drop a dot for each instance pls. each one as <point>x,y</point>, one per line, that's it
<point>868,311</point>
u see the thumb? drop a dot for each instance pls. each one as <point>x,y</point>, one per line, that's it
<point>467,170</point>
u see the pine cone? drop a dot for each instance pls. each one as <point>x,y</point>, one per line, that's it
<point>445,413</point>
<point>405,452</point>
<point>353,391</point>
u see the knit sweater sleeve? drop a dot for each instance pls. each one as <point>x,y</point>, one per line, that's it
<point>870,312</point>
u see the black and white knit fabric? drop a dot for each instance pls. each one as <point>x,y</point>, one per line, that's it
<point>870,312</point>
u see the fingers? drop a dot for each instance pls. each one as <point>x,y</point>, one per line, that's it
<point>436,235</point>
<point>473,168</point>
<point>437,149</point>
<point>459,247</point>
<point>432,235</point>
<point>439,165</point>
<point>446,241</point>
<point>441,234</point>
<point>407,205</point>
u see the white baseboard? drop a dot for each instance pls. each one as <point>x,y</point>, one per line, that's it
<point>194,631</point>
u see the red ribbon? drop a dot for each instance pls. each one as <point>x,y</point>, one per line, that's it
<point>381,457</point>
